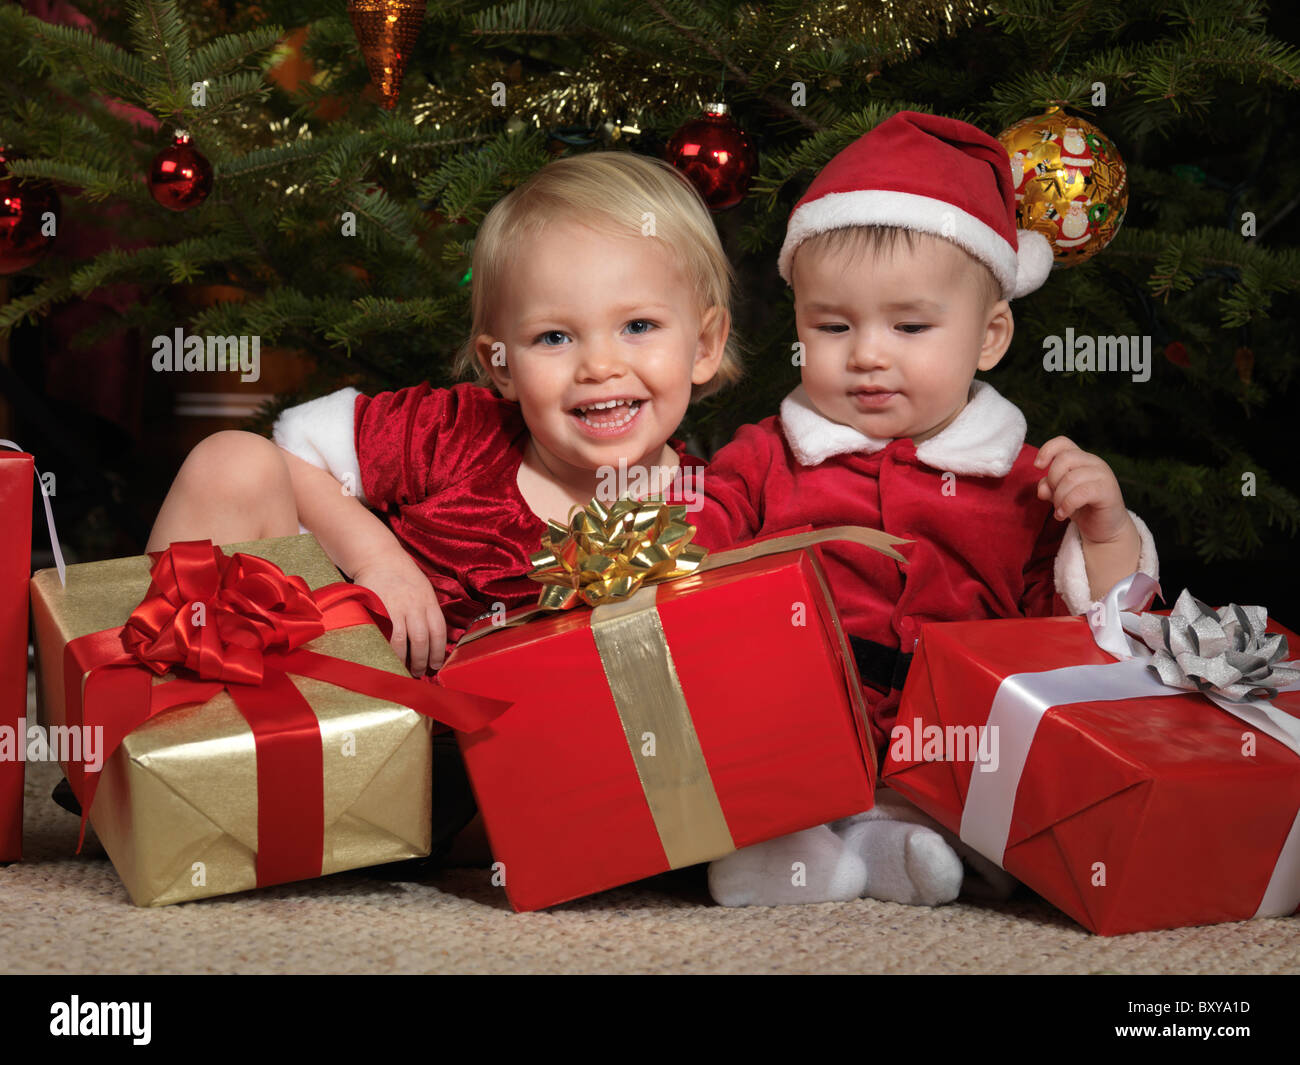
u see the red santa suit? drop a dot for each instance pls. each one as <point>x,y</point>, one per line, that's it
<point>984,544</point>
<point>441,467</point>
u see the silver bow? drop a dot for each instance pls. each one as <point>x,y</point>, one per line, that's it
<point>1225,652</point>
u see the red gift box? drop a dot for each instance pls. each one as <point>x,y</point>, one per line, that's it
<point>15,568</point>
<point>1130,814</point>
<point>699,716</point>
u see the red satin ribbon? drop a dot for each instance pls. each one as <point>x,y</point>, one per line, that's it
<point>253,619</point>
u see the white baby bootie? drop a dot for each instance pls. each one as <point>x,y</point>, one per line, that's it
<point>809,866</point>
<point>906,862</point>
<point>912,859</point>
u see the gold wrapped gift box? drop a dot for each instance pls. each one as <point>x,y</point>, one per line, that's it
<point>176,808</point>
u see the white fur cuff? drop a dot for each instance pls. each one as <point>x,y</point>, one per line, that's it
<point>323,432</point>
<point>1071,571</point>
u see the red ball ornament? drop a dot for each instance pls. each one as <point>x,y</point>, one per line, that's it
<point>1176,352</point>
<point>179,176</point>
<point>25,207</point>
<point>716,155</point>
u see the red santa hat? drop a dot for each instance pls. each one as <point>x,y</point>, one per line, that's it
<point>933,175</point>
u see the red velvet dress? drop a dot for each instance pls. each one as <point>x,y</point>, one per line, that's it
<point>441,467</point>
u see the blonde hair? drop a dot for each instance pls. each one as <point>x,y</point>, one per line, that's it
<point>610,191</point>
<point>873,239</point>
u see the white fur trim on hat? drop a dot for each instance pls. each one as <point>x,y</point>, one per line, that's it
<point>1071,571</point>
<point>1017,273</point>
<point>883,207</point>
<point>323,432</point>
<point>984,439</point>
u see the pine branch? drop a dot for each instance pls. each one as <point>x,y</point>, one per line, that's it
<point>694,21</point>
<point>96,185</point>
<point>467,184</point>
<point>379,215</point>
<point>151,315</point>
<point>1051,25</point>
<point>55,132</point>
<point>511,24</point>
<point>774,29</point>
<point>30,307</point>
<point>225,93</point>
<point>777,104</point>
<point>106,66</point>
<point>161,36</point>
<point>374,315</point>
<point>262,162</point>
<point>1229,528</point>
<point>179,263</point>
<point>1225,40</point>
<point>1189,258</point>
<point>222,55</point>
<point>278,313</point>
<point>1176,72</point>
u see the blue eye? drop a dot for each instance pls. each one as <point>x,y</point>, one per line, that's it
<point>541,338</point>
<point>641,321</point>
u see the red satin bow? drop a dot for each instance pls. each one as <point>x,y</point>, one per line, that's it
<point>254,619</point>
<point>219,615</point>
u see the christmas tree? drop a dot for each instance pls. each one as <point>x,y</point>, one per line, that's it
<point>344,199</point>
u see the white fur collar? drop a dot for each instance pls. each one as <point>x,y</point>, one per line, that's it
<point>984,439</point>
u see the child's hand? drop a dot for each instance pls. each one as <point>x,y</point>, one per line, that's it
<point>1083,488</point>
<point>407,595</point>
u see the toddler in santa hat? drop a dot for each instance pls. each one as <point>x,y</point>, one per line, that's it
<point>903,255</point>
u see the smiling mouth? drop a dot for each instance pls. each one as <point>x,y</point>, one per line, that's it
<point>607,413</point>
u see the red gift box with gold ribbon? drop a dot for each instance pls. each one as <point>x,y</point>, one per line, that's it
<point>244,724</point>
<point>665,727</point>
<point>1127,802</point>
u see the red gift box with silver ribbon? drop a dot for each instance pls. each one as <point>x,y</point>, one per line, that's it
<point>1136,785</point>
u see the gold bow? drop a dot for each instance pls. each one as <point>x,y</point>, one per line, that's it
<point>606,554</point>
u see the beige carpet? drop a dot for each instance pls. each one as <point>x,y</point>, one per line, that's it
<point>62,913</point>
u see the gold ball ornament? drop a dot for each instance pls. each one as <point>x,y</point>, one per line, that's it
<point>1071,183</point>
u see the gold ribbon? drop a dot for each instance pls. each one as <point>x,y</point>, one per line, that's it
<point>659,729</point>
